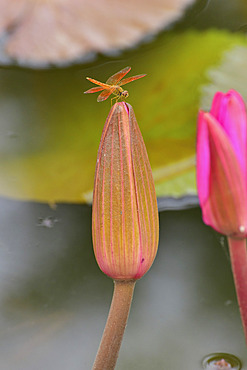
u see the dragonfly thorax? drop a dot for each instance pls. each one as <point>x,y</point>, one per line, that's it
<point>119,91</point>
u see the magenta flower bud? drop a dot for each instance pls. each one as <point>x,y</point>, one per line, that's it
<point>125,215</point>
<point>221,164</point>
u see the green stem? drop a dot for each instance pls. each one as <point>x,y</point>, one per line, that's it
<point>238,254</point>
<point>107,355</point>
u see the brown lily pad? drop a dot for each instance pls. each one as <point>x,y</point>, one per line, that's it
<point>42,32</point>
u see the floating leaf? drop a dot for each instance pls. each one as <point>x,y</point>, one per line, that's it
<point>50,130</point>
<point>230,74</point>
<point>62,31</point>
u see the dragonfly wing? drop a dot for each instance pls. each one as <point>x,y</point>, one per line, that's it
<point>93,90</point>
<point>105,86</point>
<point>114,79</point>
<point>105,94</point>
<point>130,79</point>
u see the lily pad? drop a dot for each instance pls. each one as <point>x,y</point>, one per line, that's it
<point>50,131</point>
<point>39,33</point>
<point>229,74</point>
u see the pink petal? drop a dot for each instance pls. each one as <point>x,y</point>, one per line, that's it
<point>216,105</point>
<point>229,110</point>
<point>225,208</point>
<point>202,158</point>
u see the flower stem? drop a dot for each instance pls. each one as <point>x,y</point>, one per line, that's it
<point>238,254</point>
<point>107,355</point>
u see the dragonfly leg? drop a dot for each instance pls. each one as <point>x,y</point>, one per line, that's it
<point>115,97</point>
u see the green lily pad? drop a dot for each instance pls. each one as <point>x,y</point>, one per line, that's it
<point>50,131</point>
<point>229,74</point>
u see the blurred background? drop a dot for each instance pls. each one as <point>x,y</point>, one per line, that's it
<point>54,300</point>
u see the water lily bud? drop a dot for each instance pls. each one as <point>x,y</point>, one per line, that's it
<point>221,164</point>
<point>125,215</point>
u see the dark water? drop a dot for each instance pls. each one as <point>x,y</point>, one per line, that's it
<point>54,299</point>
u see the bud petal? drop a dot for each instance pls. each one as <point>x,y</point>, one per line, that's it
<point>221,165</point>
<point>125,214</point>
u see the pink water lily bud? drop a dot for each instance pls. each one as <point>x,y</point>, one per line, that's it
<point>125,215</point>
<point>221,164</point>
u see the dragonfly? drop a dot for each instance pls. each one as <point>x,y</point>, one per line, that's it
<point>113,85</point>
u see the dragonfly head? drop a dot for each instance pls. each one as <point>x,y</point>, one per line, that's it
<point>125,94</point>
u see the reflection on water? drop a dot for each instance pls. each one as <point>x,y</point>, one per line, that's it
<point>221,361</point>
<point>230,14</point>
<point>54,300</point>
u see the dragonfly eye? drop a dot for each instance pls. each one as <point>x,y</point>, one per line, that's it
<point>125,94</point>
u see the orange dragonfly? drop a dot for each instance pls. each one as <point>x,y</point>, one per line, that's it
<point>113,85</point>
